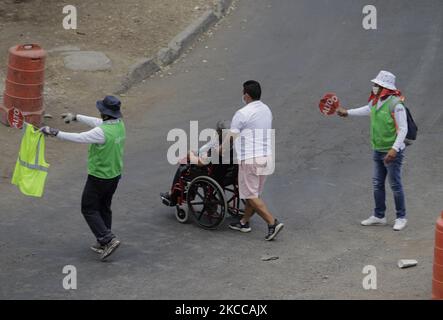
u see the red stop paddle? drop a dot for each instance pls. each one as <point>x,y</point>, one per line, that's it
<point>329,104</point>
<point>15,118</point>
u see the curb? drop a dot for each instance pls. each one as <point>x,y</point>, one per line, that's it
<point>137,73</point>
<point>222,8</point>
<point>146,67</point>
<point>177,45</point>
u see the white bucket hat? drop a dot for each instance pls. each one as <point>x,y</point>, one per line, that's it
<point>386,80</point>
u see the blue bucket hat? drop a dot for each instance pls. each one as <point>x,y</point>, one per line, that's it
<point>110,106</point>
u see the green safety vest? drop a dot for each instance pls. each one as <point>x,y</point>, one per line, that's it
<point>105,161</point>
<point>383,126</point>
<point>31,168</point>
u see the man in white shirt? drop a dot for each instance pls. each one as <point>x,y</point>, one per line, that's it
<point>251,127</point>
<point>389,128</point>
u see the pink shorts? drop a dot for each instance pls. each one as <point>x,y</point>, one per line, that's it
<point>250,181</point>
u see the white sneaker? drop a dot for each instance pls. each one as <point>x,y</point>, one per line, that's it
<point>400,224</point>
<point>374,221</point>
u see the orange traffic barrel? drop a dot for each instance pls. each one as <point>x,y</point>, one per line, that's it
<point>437,280</point>
<point>24,83</point>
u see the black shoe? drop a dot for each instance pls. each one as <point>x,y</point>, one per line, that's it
<point>273,230</point>
<point>166,199</point>
<point>97,248</point>
<point>240,227</point>
<point>109,249</point>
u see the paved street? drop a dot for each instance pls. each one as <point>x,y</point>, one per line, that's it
<point>321,188</point>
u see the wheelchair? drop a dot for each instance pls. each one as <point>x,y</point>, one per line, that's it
<point>207,194</point>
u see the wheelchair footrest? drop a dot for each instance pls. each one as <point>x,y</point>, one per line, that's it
<point>167,202</point>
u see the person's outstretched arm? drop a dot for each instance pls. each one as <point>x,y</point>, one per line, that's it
<point>89,121</point>
<point>237,125</point>
<point>363,111</point>
<point>95,135</point>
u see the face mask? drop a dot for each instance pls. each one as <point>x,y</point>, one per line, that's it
<point>243,99</point>
<point>375,90</point>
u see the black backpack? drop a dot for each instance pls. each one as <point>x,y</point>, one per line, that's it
<point>412,127</point>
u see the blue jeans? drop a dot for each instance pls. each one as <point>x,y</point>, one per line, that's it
<point>393,171</point>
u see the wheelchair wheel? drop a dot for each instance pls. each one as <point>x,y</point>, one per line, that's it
<point>236,206</point>
<point>181,215</point>
<point>206,202</point>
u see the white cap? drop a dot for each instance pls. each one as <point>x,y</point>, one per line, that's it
<point>386,80</point>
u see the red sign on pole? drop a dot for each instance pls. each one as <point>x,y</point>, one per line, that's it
<point>15,118</point>
<point>329,104</point>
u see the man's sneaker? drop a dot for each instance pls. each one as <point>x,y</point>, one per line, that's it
<point>109,249</point>
<point>374,221</point>
<point>97,248</point>
<point>240,227</point>
<point>400,224</point>
<point>273,230</point>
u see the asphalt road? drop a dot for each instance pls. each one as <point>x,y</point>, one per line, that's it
<point>321,189</point>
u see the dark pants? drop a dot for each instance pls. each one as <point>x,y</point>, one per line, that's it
<point>393,172</point>
<point>96,206</point>
<point>181,168</point>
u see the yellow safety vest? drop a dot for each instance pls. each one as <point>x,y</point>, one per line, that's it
<point>31,168</point>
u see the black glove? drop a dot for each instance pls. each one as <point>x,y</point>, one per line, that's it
<point>49,131</point>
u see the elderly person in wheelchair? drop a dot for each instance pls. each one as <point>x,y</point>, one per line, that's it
<point>208,187</point>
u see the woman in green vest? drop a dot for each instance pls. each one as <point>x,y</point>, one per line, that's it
<point>105,162</point>
<point>389,128</point>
